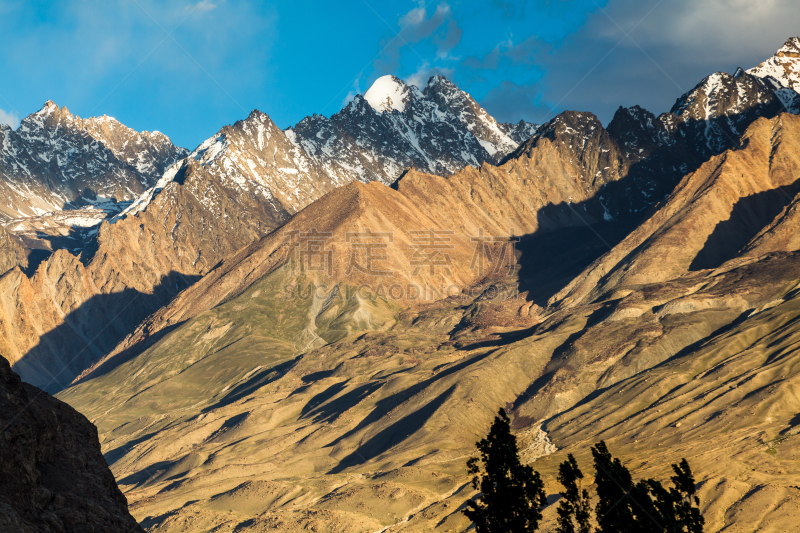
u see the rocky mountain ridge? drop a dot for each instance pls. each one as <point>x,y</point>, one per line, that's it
<point>250,178</point>
<point>55,160</point>
<point>233,189</point>
<point>394,126</point>
<point>654,305</point>
<point>783,71</point>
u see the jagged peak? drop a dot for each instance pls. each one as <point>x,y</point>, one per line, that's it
<point>714,83</point>
<point>157,134</point>
<point>625,118</point>
<point>439,80</point>
<point>569,123</point>
<point>575,117</point>
<point>257,114</point>
<point>791,48</point>
<point>42,117</point>
<point>634,110</point>
<point>358,102</point>
<point>311,119</point>
<point>106,118</point>
<point>439,88</point>
<point>49,107</point>
<point>255,117</point>
<point>782,68</point>
<point>357,106</point>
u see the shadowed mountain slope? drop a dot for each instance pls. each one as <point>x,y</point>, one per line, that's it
<point>710,218</point>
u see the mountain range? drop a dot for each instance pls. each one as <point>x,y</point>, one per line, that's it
<point>233,189</point>
<point>310,327</point>
<point>55,160</point>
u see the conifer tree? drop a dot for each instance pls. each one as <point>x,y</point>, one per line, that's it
<point>672,510</point>
<point>625,507</point>
<point>573,509</point>
<point>684,492</point>
<point>512,494</point>
<point>614,484</point>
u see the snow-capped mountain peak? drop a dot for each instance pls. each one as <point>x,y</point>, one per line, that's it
<point>791,48</point>
<point>376,137</point>
<point>783,67</point>
<point>388,93</point>
<point>394,126</point>
<point>55,159</point>
<point>251,164</point>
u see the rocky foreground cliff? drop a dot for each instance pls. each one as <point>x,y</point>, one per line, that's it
<point>54,477</point>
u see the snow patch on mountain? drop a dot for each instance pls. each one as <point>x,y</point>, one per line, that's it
<point>783,67</point>
<point>56,160</point>
<point>387,94</point>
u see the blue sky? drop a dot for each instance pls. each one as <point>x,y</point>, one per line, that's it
<point>187,68</point>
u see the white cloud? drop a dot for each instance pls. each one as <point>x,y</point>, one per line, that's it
<point>672,46</point>
<point>205,5</point>
<point>9,118</point>
<point>353,92</point>
<point>438,28</point>
<point>718,29</point>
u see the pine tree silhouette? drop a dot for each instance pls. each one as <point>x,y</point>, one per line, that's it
<point>647,506</point>
<point>574,509</point>
<point>684,494</point>
<point>512,494</point>
<point>614,485</point>
<point>671,509</point>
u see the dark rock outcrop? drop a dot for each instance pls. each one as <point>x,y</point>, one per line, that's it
<point>54,477</point>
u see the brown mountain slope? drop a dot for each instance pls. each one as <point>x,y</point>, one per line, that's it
<point>728,404</point>
<point>780,234</point>
<point>54,477</point>
<point>709,218</point>
<point>12,252</point>
<point>72,310</point>
<point>248,179</point>
<point>524,196</point>
<point>251,177</point>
